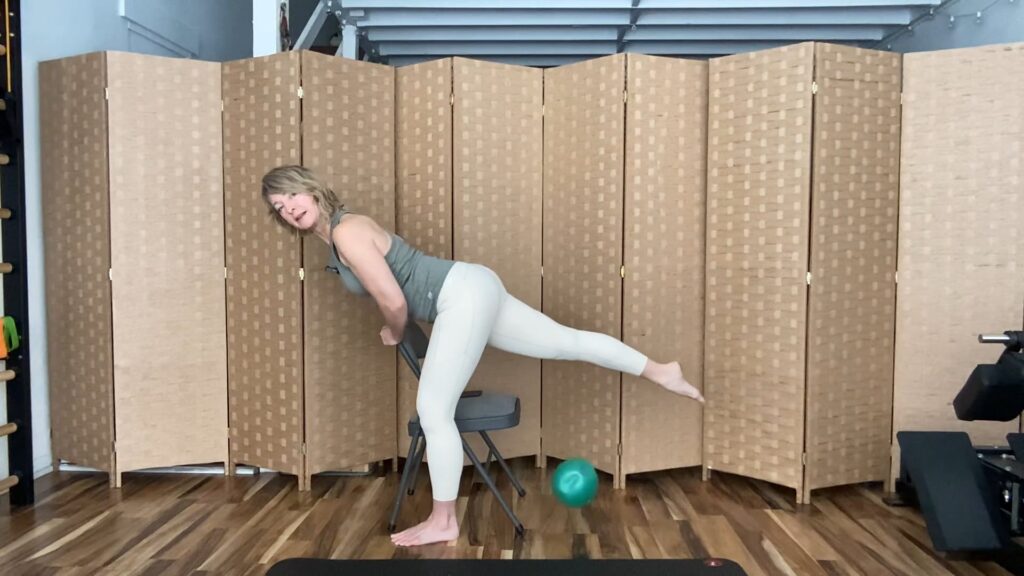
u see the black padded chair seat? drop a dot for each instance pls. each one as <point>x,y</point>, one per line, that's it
<point>484,412</point>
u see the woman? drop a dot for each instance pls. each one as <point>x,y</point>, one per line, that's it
<point>469,309</point>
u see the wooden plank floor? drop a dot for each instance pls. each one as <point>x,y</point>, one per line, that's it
<point>209,524</point>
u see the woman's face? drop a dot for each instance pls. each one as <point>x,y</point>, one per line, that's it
<point>300,210</point>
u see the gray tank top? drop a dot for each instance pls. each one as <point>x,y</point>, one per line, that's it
<point>420,276</point>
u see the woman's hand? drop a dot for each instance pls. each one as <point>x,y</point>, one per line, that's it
<point>387,337</point>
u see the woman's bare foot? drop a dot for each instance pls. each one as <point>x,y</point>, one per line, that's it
<point>440,526</point>
<point>670,377</point>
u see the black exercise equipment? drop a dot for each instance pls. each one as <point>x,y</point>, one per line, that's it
<point>972,497</point>
<point>995,391</point>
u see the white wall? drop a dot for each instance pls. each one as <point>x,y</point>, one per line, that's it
<point>265,27</point>
<point>1001,22</point>
<point>215,30</point>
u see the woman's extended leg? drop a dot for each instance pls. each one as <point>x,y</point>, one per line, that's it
<point>467,307</point>
<point>521,329</point>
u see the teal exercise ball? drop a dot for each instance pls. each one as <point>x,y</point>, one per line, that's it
<point>574,483</point>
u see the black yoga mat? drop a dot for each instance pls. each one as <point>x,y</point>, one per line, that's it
<point>580,567</point>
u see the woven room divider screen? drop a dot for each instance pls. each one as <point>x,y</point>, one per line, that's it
<point>851,309</point>
<point>624,142</point>
<point>663,252</point>
<point>262,113</point>
<point>497,154</point>
<point>469,187</point>
<point>423,186</point>
<point>462,128</point>
<point>801,264</point>
<point>72,101</point>
<point>312,389</point>
<point>595,170</point>
<point>961,258</point>
<point>348,138</point>
<point>134,218</point>
<point>584,129</point>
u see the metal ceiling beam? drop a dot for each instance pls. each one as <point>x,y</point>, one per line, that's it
<point>624,4</point>
<point>491,33</point>
<point>382,18</point>
<point>502,48</point>
<point>779,4</point>
<point>474,50</point>
<point>530,31</point>
<point>634,17</point>
<point>756,33</point>
<point>705,48</point>
<point>877,16</point>
<point>316,21</point>
<point>505,59</point>
<point>487,4</point>
<point>788,17</point>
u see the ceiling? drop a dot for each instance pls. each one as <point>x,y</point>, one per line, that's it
<point>555,32</point>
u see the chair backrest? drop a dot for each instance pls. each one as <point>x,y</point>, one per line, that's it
<point>413,346</point>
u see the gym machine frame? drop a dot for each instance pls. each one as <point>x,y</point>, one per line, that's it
<point>972,497</point>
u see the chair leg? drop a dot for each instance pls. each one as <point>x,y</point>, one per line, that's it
<point>494,489</point>
<point>501,461</point>
<point>402,484</point>
<point>421,442</point>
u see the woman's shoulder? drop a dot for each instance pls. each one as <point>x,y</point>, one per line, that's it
<point>354,222</point>
<point>356,227</point>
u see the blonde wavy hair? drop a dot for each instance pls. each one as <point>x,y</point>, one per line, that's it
<point>292,180</point>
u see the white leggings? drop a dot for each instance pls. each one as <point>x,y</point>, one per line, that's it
<point>474,310</point>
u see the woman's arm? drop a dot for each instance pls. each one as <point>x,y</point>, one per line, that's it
<point>355,242</point>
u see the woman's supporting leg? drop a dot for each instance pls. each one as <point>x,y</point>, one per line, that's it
<point>467,307</point>
<point>523,330</point>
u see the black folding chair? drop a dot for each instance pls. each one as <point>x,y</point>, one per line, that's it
<point>476,411</point>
